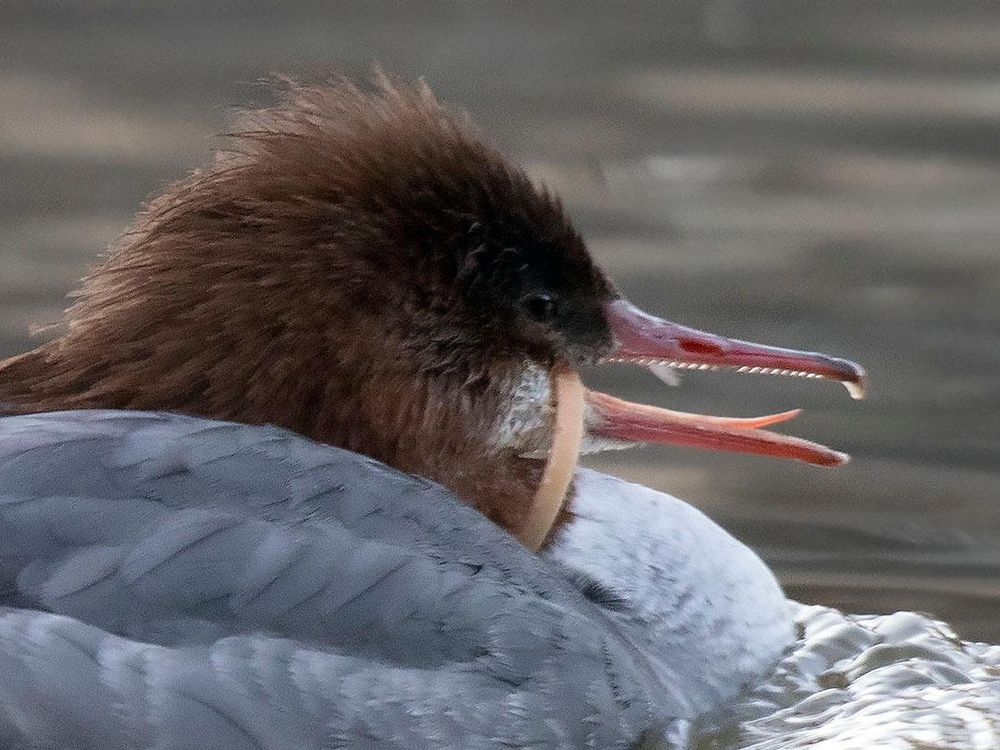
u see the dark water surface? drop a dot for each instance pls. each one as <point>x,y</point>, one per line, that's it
<point>816,175</point>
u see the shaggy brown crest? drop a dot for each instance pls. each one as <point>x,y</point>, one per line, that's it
<point>360,268</point>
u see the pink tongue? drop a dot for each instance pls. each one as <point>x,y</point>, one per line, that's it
<point>640,423</point>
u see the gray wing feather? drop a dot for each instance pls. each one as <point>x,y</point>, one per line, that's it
<point>172,582</point>
<point>68,684</point>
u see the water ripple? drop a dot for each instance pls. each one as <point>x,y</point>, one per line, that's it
<point>863,681</point>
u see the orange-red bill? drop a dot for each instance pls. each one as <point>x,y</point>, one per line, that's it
<point>615,419</point>
<point>643,338</point>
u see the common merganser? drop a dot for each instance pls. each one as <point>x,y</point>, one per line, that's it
<point>363,271</point>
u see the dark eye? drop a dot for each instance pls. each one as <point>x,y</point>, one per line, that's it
<point>540,307</point>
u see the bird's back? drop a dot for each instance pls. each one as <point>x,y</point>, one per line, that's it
<point>182,580</point>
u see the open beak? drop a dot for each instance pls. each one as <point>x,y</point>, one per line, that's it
<point>646,340</point>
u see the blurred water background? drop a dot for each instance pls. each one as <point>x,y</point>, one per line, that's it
<point>815,175</point>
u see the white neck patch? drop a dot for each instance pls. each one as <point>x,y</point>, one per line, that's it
<point>527,422</point>
<point>526,425</point>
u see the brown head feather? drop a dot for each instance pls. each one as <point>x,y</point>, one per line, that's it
<point>360,268</point>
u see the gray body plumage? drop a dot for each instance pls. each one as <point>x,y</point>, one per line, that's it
<point>174,582</point>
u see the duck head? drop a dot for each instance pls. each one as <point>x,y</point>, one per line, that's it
<point>363,268</point>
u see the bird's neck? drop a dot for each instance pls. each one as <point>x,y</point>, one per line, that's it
<point>441,426</point>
